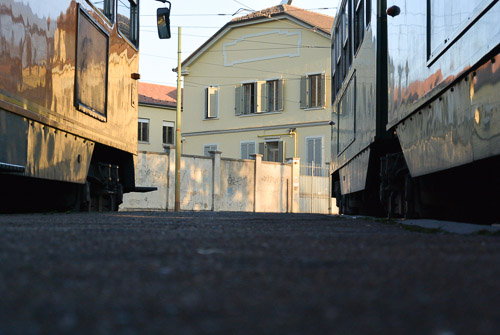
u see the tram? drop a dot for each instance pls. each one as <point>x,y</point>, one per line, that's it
<point>416,99</point>
<point>68,103</point>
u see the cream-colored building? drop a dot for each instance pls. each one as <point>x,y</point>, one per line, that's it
<point>261,84</point>
<point>157,109</point>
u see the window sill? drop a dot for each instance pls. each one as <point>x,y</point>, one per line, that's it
<point>314,108</point>
<point>261,113</point>
<point>143,142</point>
<point>211,118</point>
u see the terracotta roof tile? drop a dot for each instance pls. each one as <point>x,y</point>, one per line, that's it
<point>157,94</point>
<point>321,21</point>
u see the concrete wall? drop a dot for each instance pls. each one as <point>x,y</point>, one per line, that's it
<point>196,183</point>
<point>151,170</point>
<point>237,185</point>
<point>214,183</point>
<point>273,188</point>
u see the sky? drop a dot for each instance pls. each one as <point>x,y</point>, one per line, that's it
<point>199,20</point>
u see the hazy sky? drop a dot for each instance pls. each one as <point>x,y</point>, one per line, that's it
<point>199,20</point>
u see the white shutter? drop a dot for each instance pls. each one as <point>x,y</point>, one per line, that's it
<point>323,90</point>
<point>238,100</point>
<point>213,97</point>
<point>206,103</point>
<point>261,97</point>
<point>251,148</point>
<point>281,151</point>
<point>244,150</point>
<point>303,93</point>
<point>280,94</point>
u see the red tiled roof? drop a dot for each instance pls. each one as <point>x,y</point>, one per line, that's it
<point>320,21</point>
<point>157,94</point>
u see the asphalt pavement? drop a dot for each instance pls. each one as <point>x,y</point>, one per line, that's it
<point>243,273</point>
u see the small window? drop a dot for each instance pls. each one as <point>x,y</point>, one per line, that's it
<point>368,12</point>
<point>274,95</point>
<point>338,43</point>
<point>143,133</point>
<point>211,102</point>
<point>272,151</point>
<point>314,150</point>
<point>128,20</point>
<point>91,82</point>
<point>314,155</point>
<point>209,147</point>
<point>345,16</point>
<point>312,93</point>
<point>249,98</point>
<point>246,99</point>
<point>315,90</point>
<point>359,26</point>
<point>107,7</point>
<point>247,149</point>
<point>168,132</point>
<point>449,19</point>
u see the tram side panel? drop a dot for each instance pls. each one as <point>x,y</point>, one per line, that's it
<point>67,88</point>
<point>444,80</point>
<point>356,107</point>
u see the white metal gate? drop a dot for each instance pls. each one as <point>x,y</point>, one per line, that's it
<point>314,189</point>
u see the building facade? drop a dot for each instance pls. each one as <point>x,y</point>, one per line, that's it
<point>156,123</point>
<point>261,85</point>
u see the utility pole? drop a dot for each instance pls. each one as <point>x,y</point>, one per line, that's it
<point>178,138</point>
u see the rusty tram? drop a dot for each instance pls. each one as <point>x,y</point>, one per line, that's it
<point>68,103</point>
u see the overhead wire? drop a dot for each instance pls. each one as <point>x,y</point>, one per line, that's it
<point>314,29</point>
<point>232,14</point>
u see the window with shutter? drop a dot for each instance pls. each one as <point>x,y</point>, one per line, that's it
<point>247,149</point>
<point>314,152</point>
<point>211,102</point>
<point>209,147</point>
<point>274,95</point>
<point>272,151</point>
<point>249,98</point>
<point>238,100</point>
<point>313,89</point>
<point>303,93</point>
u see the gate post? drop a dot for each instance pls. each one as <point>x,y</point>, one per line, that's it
<point>257,177</point>
<point>295,185</point>
<point>215,180</point>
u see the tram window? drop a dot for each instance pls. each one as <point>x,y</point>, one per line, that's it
<point>107,7</point>
<point>368,11</point>
<point>91,68</point>
<point>345,17</point>
<point>359,28</point>
<point>448,18</point>
<point>128,20</point>
<point>338,39</point>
